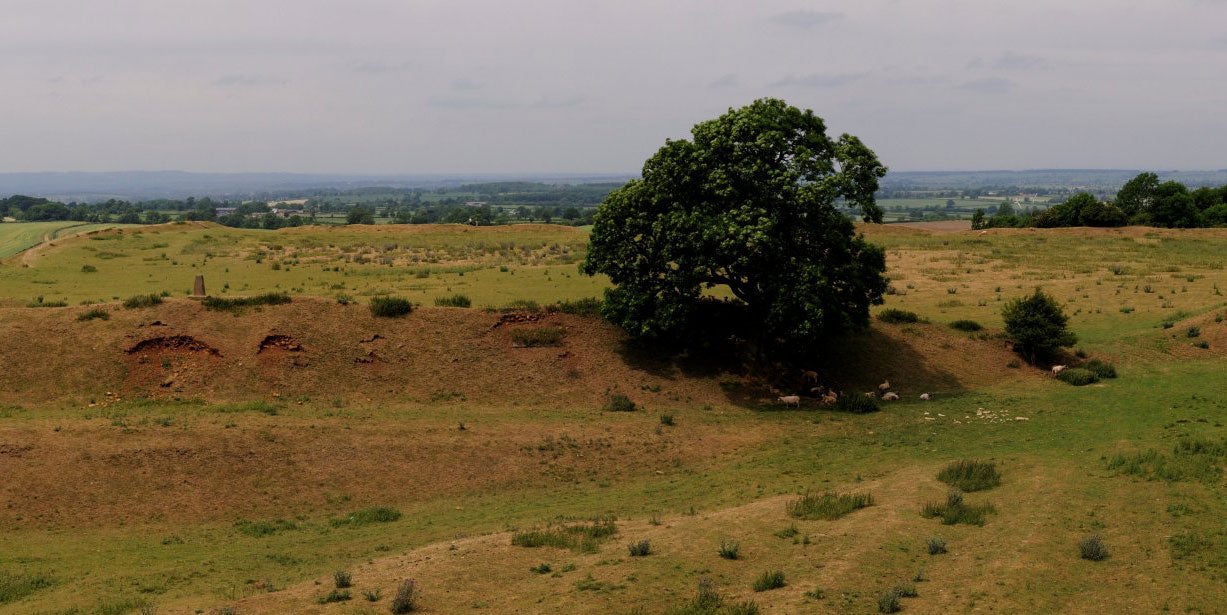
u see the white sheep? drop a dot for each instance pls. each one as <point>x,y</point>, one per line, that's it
<point>790,400</point>
<point>1056,369</point>
<point>885,386</point>
<point>891,396</point>
<point>925,396</point>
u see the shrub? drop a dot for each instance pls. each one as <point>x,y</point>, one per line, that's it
<point>1126,310</point>
<point>888,602</point>
<point>142,301</point>
<point>1167,325</point>
<point>1193,332</point>
<point>894,316</point>
<point>906,590</point>
<point>619,403</point>
<point>936,546</point>
<point>955,510</point>
<point>461,301</point>
<point>589,306</point>
<point>95,313</point>
<point>390,307</point>
<point>581,537</point>
<point>260,529</point>
<point>970,475</point>
<point>367,516</point>
<point>342,579</point>
<point>856,404</point>
<point>542,568</point>
<point>969,326</point>
<point>1100,369</point>
<point>667,420</point>
<point>372,595</point>
<point>344,299</point>
<point>730,549</point>
<point>1037,325</point>
<point>773,579</point>
<point>237,303</point>
<point>1092,548</point>
<point>537,336</point>
<point>1203,344</point>
<point>640,549</point>
<point>742,608</point>
<point>1078,376</point>
<point>89,269</point>
<point>406,598</point>
<point>788,532</point>
<point>828,505</point>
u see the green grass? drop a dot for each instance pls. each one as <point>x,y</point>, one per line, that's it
<point>14,587</point>
<point>530,337</point>
<point>955,511</point>
<point>970,476</point>
<point>234,304</point>
<point>16,237</point>
<point>367,516</point>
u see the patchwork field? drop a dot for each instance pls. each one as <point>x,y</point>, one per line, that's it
<point>178,459</point>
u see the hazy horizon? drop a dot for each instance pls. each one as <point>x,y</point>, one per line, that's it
<point>377,87</point>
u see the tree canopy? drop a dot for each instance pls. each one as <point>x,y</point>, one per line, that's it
<point>1038,325</point>
<point>751,204</point>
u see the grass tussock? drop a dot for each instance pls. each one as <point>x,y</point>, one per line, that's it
<point>640,548</point>
<point>583,537</point>
<point>1101,369</point>
<point>619,403</point>
<point>95,314</point>
<point>390,307</point>
<point>896,317</point>
<point>234,304</point>
<point>969,476</point>
<point>827,506</point>
<point>457,300</point>
<point>588,306</point>
<point>772,579</point>
<point>936,546</point>
<point>531,337</point>
<point>955,511</point>
<point>730,549</point>
<point>1078,376</point>
<point>1092,548</point>
<point>367,516</point>
<point>142,301</point>
<point>970,326</point>
<point>260,529</point>
<point>407,598</point>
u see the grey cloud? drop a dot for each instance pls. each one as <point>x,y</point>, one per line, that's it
<point>466,85</point>
<point>805,19</point>
<point>818,80</point>
<point>487,103</point>
<point>1015,61</point>
<point>247,81</point>
<point>725,81</point>
<point>382,68</point>
<point>988,85</point>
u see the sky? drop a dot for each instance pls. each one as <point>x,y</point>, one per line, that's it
<point>581,86</point>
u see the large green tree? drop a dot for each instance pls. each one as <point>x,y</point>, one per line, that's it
<point>1038,325</point>
<point>752,204</point>
<point>1137,195</point>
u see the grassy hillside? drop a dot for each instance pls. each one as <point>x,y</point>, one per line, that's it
<point>196,460</point>
<point>18,236</point>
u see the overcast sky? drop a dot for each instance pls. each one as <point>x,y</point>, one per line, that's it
<point>452,86</point>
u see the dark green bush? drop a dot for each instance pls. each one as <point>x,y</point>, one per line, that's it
<point>95,313</point>
<point>584,537</point>
<point>1037,324</point>
<point>970,475</point>
<point>537,336</point>
<point>640,548</point>
<point>828,506</point>
<point>969,326</point>
<point>729,549</point>
<point>1203,344</point>
<point>367,516</point>
<point>1092,548</point>
<point>620,403</point>
<point>336,595</point>
<point>142,301</point>
<point>1193,332</point>
<point>461,301</point>
<point>89,269</point>
<point>589,306</point>
<point>1078,376</point>
<point>667,420</point>
<point>856,404</point>
<point>888,602</point>
<point>259,529</point>
<point>773,579</point>
<point>226,304</point>
<point>955,510</point>
<point>894,316</point>
<point>936,546</point>
<point>390,307</point>
<point>1100,369</point>
<point>542,568</point>
<point>342,579</point>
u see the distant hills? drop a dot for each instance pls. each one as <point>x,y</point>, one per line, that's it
<point>144,185</point>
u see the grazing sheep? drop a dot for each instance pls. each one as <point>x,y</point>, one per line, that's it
<point>925,396</point>
<point>871,395</point>
<point>885,386</point>
<point>829,399</point>
<point>891,396</point>
<point>1056,369</point>
<point>790,400</point>
<point>809,376</point>
<point>983,232</point>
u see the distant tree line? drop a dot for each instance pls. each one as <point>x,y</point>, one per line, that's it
<point>1143,200</point>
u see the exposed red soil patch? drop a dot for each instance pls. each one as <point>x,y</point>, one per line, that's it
<point>279,342</point>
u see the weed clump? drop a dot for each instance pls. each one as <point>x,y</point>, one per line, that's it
<point>342,579</point>
<point>667,420</point>
<point>142,301</point>
<point>1078,376</point>
<point>336,595</point>
<point>1100,368</point>
<point>895,317</point>
<point>969,326</point>
<point>619,403</point>
<point>260,529</point>
<point>936,546</point>
<point>372,595</point>
<point>1092,548</point>
<point>406,598</point>
<point>888,602</point>
<point>15,587</point>
<point>542,568</point>
<point>390,307</point>
<point>773,579</point>
<point>827,506</point>
<point>457,300</point>
<point>537,336</point>
<point>588,306</point>
<point>970,476</point>
<point>954,510</point>
<point>582,537</point>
